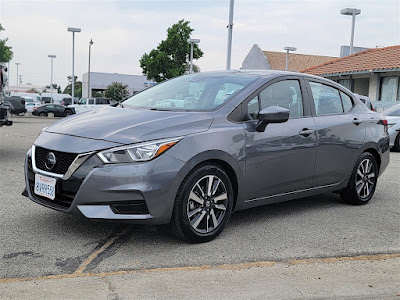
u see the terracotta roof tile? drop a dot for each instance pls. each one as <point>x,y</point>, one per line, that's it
<point>297,62</point>
<point>369,60</point>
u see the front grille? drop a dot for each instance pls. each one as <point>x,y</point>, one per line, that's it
<point>63,160</point>
<point>65,190</point>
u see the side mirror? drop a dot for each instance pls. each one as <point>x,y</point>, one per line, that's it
<point>271,114</point>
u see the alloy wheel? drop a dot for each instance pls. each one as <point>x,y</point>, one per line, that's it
<point>365,178</point>
<point>207,204</point>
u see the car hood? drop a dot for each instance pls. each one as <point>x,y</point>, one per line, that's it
<point>127,126</point>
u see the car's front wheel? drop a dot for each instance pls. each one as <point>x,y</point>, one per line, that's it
<point>203,204</point>
<point>362,184</point>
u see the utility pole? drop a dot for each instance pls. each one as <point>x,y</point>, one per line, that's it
<point>230,28</point>
<point>51,84</point>
<point>73,30</point>
<point>17,75</point>
<point>89,91</point>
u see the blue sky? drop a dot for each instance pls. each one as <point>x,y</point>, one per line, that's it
<point>123,30</point>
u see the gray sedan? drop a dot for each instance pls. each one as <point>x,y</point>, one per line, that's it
<point>190,151</point>
<point>392,115</point>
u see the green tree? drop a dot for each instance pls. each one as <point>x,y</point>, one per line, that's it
<point>6,53</point>
<point>77,87</point>
<point>117,91</point>
<point>172,56</point>
<point>33,90</point>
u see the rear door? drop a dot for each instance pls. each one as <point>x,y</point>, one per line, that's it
<point>340,132</point>
<point>280,159</point>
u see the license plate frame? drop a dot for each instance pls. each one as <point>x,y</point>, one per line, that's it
<point>45,186</point>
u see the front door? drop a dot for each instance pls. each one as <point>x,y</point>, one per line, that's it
<point>281,159</point>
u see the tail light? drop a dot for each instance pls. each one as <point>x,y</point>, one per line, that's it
<point>384,122</point>
<point>35,108</point>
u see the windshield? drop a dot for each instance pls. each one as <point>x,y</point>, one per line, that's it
<point>191,92</point>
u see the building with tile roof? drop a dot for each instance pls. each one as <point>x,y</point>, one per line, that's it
<point>374,73</point>
<point>269,60</point>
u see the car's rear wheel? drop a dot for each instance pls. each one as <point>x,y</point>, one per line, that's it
<point>362,183</point>
<point>397,143</point>
<point>42,114</point>
<point>203,204</point>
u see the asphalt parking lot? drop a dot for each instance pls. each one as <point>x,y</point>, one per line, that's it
<point>37,241</point>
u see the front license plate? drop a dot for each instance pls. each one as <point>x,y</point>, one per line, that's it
<point>45,186</point>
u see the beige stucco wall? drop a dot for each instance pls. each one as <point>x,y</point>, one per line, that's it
<point>373,85</point>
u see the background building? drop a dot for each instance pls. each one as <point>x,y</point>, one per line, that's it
<point>268,60</point>
<point>100,81</point>
<point>374,73</point>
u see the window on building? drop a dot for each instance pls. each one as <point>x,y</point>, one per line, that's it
<point>388,88</point>
<point>345,82</point>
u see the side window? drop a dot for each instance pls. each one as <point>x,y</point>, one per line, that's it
<point>326,99</point>
<point>253,109</point>
<point>82,102</point>
<point>91,101</point>
<point>50,106</point>
<point>347,102</point>
<point>286,94</point>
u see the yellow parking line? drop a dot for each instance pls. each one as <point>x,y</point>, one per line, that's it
<point>238,266</point>
<point>92,256</point>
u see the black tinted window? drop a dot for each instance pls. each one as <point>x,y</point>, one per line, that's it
<point>286,94</point>
<point>103,101</point>
<point>326,99</point>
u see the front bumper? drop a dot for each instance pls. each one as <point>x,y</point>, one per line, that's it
<point>142,193</point>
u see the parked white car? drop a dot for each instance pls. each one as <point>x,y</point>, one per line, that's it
<point>90,104</point>
<point>392,116</point>
<point>30,103</point>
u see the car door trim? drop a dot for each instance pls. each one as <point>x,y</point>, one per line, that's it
<point>293,192</point>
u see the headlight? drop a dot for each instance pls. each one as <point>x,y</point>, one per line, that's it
<point>138,152</point>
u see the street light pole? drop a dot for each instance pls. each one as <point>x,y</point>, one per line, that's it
<point>51,84</point>
<point>351,12</point>
<point>192,41</point>
<point>287,55</point>
<point>90,47</point>
<point>73,30</point>
<point>230,29</point>
<point>17,76</point>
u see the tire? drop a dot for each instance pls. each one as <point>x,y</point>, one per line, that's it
<point>396,146</point>
<point>199,218</point>
<point>363,180</point>
<point>42,114</point>
<point>68,113</point>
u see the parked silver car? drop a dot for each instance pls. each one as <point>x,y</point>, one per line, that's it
<point>190,151</point>
<point>392,115</point>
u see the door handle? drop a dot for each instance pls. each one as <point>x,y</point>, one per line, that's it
<point>357,121</point>
<point>306,132</point>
